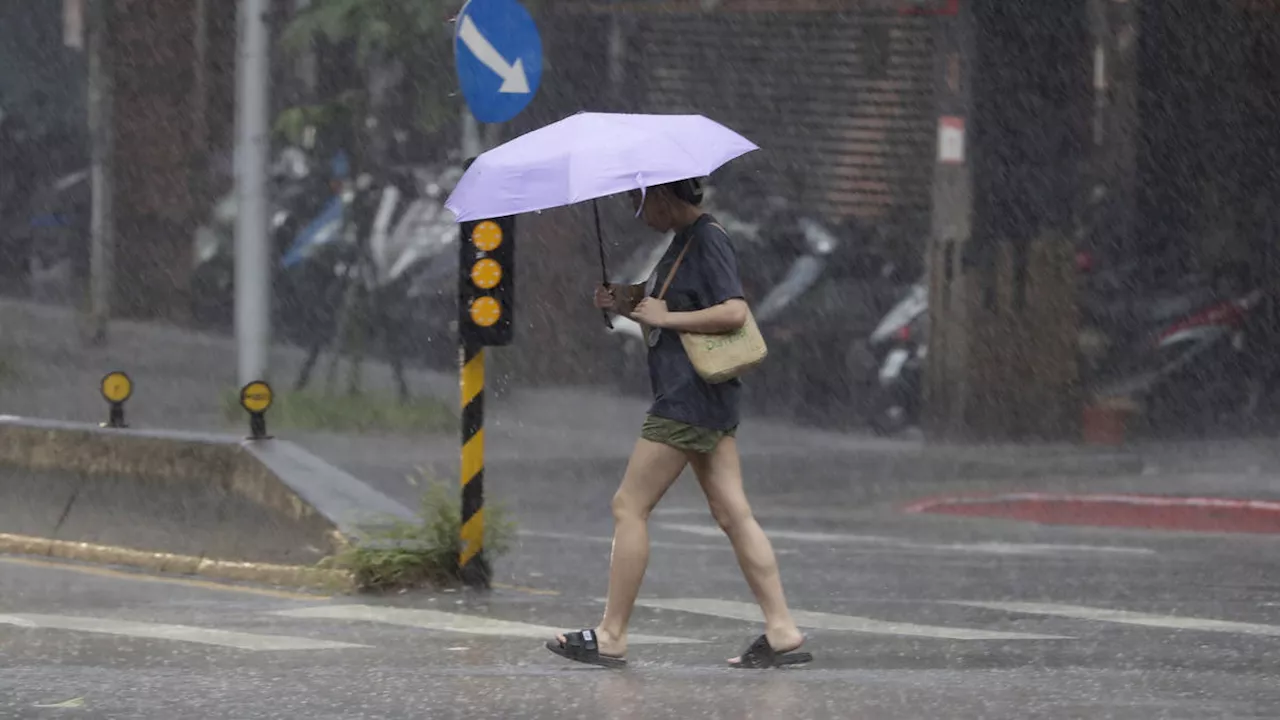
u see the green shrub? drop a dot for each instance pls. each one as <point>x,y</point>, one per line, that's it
<point>423,553</point>
<point>362,412</point>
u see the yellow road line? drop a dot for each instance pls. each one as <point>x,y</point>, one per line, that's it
<point>203,584</point>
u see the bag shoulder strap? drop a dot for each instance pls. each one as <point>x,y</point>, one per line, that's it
<point>680,258</point>
<point>672,273</point>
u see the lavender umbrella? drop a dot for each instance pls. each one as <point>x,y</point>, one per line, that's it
<point>592,155</point>
<point>589,156</point>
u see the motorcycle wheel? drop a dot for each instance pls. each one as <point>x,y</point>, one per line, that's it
<point>887,414</point>
<point>860,368</point>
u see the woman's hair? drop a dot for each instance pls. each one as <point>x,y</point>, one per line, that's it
<point>688,190</point>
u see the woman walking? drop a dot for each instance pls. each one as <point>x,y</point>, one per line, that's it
<point>695,288</point>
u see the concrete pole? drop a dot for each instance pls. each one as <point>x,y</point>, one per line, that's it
<point>617,62</point>
<point>472,144</point>
<point>253,254</point>
<point>101,130</point>
<point>952,278</point>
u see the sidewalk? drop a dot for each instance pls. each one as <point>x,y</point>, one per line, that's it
<point>180,377</point>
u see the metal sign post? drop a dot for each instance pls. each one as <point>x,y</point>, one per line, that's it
<point>498,53</point>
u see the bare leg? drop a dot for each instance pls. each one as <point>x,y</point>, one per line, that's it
<point>720,475</point>
<point>652,470</point>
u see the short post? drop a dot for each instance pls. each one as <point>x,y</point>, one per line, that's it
<point>256,399</point>
<point>486,293</point>
<point>473,565</point>
<point>116,389</point>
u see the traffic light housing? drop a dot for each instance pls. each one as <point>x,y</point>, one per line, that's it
<point>487,281</point>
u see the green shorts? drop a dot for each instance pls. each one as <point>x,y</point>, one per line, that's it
<point>682,436</point>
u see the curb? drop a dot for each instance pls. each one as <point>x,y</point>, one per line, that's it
<point>312,506</point>
<point>299,576</point>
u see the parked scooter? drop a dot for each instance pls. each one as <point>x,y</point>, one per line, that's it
<point>56,238</point>
<point>1175,349</point>
<point>44,203</point>
<point>302,220</point>
<point>1207,370</point>
<point>898,348</point>
<point>413,248</point>
<point>407,238</point>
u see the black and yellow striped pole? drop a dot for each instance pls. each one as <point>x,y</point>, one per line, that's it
<point>475,568</point>
<point>486,294</point>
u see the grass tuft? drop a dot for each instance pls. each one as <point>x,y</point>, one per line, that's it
<point>405,555</point>
<point>8,367</point>
<point>364,412</point>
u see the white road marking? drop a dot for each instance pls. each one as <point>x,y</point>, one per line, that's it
<point>1097,498</point>
<point>77,702</point>
<point>1005,548</point>
<point>180,633</point>
<point>993,548</point>
<point>652,543</point>
<point>454,622</point>
<point>765,512</point>
<point>1080,612</point>
<point>827,621</point>
<point>676,510</point>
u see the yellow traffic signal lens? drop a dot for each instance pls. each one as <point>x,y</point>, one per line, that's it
<point>487,236</point>
<point>485,311</point>
<point>486,274</point>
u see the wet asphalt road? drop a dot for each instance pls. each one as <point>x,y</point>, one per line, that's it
<point>908,617</point>
<point>886,592</point>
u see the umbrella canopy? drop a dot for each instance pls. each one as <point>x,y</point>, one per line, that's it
<point>592,155</point>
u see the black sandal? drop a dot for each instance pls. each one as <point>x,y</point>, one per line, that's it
<point>760,654</point>
<point>582,647</point>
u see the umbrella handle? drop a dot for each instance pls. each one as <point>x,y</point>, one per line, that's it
<point>604,272</point>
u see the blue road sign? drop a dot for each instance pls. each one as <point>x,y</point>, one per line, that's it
<point>499,56</point>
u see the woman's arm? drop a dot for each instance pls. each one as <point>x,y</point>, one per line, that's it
<point>726,317</point>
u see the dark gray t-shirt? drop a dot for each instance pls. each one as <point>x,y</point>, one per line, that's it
<point>707,276</point>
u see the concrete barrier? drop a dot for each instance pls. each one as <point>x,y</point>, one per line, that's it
<point>214,505</point>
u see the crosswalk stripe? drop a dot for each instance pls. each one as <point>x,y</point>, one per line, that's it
<point>453,622</point>
<point>992,548</point>
<point>603,540</point>
<point>1174,622</point>
<point>827,621</point>
<point>180,633</point>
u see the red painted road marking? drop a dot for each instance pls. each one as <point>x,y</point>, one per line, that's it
<point>1206,514</point>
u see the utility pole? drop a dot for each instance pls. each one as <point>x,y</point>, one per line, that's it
<point>101,132</point>
<point>472,145</point>
<point>1003,331</point>
<point>253,256</point>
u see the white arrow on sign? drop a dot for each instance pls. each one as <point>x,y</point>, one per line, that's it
<point>514,80</point>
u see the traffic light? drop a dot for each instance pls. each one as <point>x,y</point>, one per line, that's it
<point>487,282</point>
